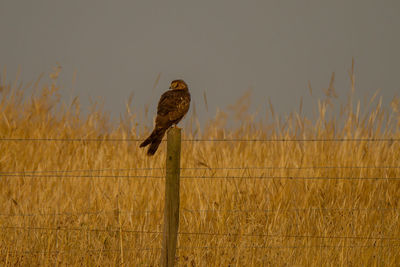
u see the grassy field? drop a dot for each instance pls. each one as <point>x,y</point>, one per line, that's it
<point>243,203</point>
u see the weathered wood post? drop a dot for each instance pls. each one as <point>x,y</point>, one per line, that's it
<point>171,207</point>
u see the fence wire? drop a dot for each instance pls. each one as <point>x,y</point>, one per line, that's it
<point>23,172</point>
<point>16,139</point>
<point>204,177</point>
<point>132,231</point>
<point>99,173</point>
<point>186,248</point>
<point>186,210</point>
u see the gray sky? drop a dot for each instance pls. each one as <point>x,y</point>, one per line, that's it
<point>221,47</point>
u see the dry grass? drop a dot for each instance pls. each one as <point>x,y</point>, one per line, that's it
<point>112,217</point>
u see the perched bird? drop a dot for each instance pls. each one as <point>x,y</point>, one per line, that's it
<point>172,107</point>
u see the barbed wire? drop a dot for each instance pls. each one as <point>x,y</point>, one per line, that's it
<point>71,140</point>
<point>215,248</point>
<point>291,247</point>
<point>70,250</point>
<point>290,236</point>
<point>60,174</point>
<point>297,140</point>
<point>35,228</point>
<point>290,210</point>
<point>80,176</point>
<point>199,233</point>
<point>54,214</point>
<point>84,170</point>
<point>260,177</point>
<point>292,177</point>
<point>311,209</point>
<point>201,168</point>
<point>205,140</point>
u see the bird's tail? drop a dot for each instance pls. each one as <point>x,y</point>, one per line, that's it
<point>154,140</point>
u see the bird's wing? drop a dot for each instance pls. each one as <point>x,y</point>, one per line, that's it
<point>173,105</point>
<point>167,103</point>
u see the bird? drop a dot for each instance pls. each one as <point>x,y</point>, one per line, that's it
<point>172,107</point>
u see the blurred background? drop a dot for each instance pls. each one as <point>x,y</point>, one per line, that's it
<point>273,50</point>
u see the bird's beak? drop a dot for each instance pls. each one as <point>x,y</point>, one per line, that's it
<point>170,87</point>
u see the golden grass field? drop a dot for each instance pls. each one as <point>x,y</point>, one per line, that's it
<point>100,203</point>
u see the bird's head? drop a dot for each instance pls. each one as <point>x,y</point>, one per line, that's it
<point>178,85</point>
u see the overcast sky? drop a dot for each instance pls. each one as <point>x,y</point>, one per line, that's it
<point>221,47</point>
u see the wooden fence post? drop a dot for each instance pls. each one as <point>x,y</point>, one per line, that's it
<point>171,207</point>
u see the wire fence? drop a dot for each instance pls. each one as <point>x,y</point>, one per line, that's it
<point>199,178</point>
<point>105,173</point>
<point>249,177</point>
<point>99,173</point>
<point>202,169</point>
<point>213,248</point>
<point>132,231</point>
<point>106,139</point>
<point>186,210</point>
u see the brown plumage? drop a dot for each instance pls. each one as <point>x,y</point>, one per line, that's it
<point>172,107</point>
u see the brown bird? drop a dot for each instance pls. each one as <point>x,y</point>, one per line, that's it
<point>172,107</point>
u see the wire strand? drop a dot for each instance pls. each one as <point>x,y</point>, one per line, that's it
<point>292,177</point>
<point>200,233</point>
<point>261,177</point>
<point>203,140</point>
<point>204,177</point>
<point>311,209</point>
<point>291,247</point>
<point>183,248</point>
<point>297,140</point>
<point>202,169</point>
